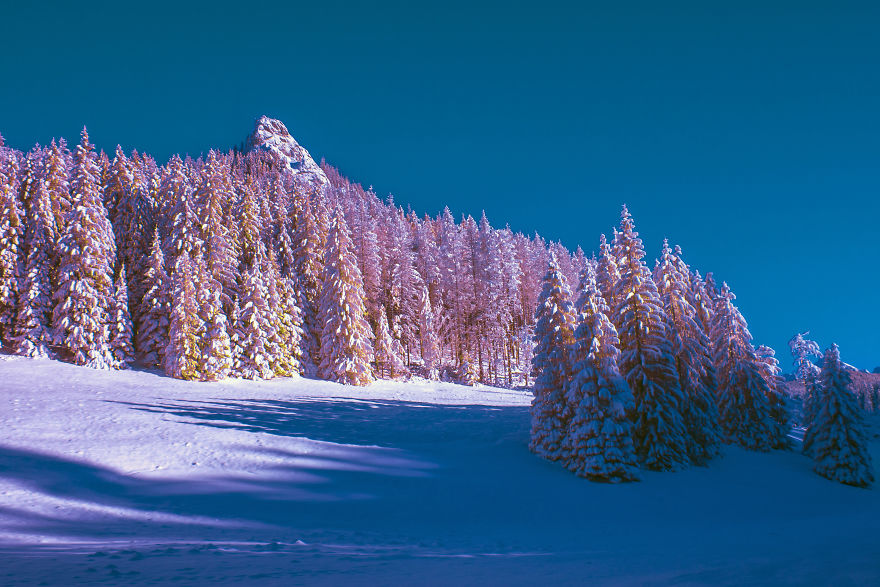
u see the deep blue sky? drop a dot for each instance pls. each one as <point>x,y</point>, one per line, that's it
<point>748,133</point>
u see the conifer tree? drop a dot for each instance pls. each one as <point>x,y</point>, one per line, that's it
<point>11,233</point>
<point>346,350</point>
<point>742,390</point>
<point>56,176</point>
<point>646,360</point>
<point>607,272</point>
<point>182,354</point>
<point>554,333</point>
<point>120,325</point>
<point>428,344</point>
<point>152,336</point>
<point>693,361</point>
<point>214,195</point>
<point>388,361</point>
<point>840,444</point>
<point>216,347</point>
<point>598,443</point>
<point>181,224</point>
<point>32,335</point>
<point>807,372</point>
<point>254,327</point>
<point>284,315</point>
<point>290,328</point>
<point>81,317</point>
<point>308,269</point>
<point>770,370</point>
<point>702,303</point>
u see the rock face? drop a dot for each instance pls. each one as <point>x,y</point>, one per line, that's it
<point>272,137</point>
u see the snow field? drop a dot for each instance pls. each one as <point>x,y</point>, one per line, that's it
<point>129,477</point>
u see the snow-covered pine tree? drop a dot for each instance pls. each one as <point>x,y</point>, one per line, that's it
<point>120,325</point>
<point>214,346</point>
<point>213,197</point>
<point>152,336</point>
<point>308,269</point>
<point>607,273</point>
<point>840,444</point>
<point>183,358</point>
<point>181,223</point>
<point>254,327</point>
<point>598,444</point>
<point>234,329</point>
<point>693,361</point>
<point>429,347</point>
<point>701,302</point>
<point>346,350</point>
<point>56,176</point>
<point>283,342</point>
<point>742,390</point>
<point>554,333</point>
<point>84,287</point>
<point>11,233</point>
<point>388,362</point>
<point>31,334</point>
<point>290,328</point>
<point>646,361</point>
<point>770,370</point>
<point>807,372</point>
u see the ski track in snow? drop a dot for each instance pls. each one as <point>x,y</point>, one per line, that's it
<point>134,478</point>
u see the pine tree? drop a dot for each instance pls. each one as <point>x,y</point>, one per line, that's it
<point>284,315</point>
<point>770,370</point>
<point>807,372</point>
<point>31,332</point>
<point>428,344</point>
<point>742,391</point>
<point>554,334</point>
<point>693,361</point>
<point>216,347</point>
<point>182,355</point>
<point>308,269</point>
<point>840,444</point>
<point>214,195</point>
<point>388,360</point>
<point>11,233</point>
<point>290,327</point>
<point>84,291</point>
<point>646,359</point>
<point>56,175</point>
<point>152,336</point>
<point>598,444</point>
<point>345,339</point>
<point>607,272</point>
<point>254,327</point>
<point>181,220</point>
<point>120,325</point>
<point>702,303</point>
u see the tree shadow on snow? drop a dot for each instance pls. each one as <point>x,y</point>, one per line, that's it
<point>358,462</point>
<point>391,423</point>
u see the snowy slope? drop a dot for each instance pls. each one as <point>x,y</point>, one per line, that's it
<point>134,478</point>
<point>271,136</point>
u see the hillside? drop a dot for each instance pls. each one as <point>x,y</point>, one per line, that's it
<point>130,477</point>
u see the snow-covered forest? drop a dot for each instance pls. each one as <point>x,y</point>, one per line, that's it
<point>255,263</point>
<point>259,263</point>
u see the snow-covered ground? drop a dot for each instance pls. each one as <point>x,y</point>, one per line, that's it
<point>133,478</point>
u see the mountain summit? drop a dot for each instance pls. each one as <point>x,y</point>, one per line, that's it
<point>271,136</point>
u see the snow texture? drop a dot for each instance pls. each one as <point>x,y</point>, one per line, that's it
<point>132,478</point>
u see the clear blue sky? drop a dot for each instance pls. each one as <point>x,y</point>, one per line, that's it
<point>748,132</point>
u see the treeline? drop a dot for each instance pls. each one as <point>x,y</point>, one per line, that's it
<point>229,266</point>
